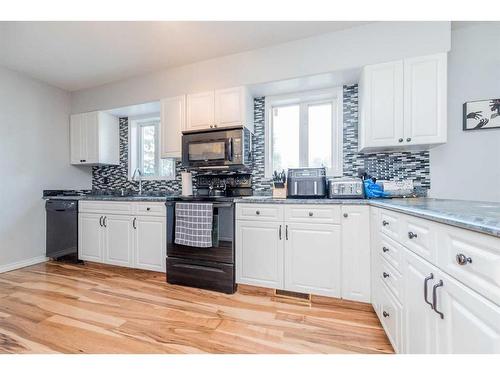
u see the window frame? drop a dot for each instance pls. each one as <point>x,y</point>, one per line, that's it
<point>305,99</point>
<point>135,138</point>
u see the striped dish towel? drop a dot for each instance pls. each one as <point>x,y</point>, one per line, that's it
<point>193,224</point>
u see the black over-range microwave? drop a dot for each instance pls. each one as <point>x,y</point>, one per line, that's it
<point>229,148</point>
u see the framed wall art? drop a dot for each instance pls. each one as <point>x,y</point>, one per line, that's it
<point>481,114</point>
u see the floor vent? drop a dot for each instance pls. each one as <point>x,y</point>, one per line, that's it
<point>292,297</point>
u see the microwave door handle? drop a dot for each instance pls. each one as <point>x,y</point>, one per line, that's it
<point>230,149</point>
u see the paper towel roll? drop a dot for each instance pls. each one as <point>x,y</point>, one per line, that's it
<point>187,183</point>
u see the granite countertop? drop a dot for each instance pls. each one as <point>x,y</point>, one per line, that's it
<point>481,217</point>
<point>126,198</point>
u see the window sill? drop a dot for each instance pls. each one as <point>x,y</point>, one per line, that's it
<point>155,178</point>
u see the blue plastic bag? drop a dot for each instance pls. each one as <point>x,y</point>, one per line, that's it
<point>373,190</point>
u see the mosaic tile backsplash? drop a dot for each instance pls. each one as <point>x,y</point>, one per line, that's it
<point>392,166</point>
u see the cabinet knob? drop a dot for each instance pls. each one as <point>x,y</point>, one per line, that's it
<point>385,223</point>
<point>215,126</point>
<point>211,126</point>
<point>346,215</point>
<point>148,209</point>
<point>386,275</point>
<point>408,139</point>
<point>463,259</point>
<point>257,212</point>
<point>385,249</point>
<point>400,140</point>
<point>310,214</point>
<point>412,235</point>
<point>385,314</point>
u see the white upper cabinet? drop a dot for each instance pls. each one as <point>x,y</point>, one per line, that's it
<point>200,111</point>
<point>94,138</point>
<point>219,109</point>
<point>425,100</point>
<point>381,105</point>
<point>403,104</point>
<point>173,122</point>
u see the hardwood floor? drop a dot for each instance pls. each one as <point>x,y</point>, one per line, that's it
<point>62,308</point>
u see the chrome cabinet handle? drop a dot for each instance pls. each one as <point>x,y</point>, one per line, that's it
<point>434,298</point>
<point>385,223</point>
<point>134,223</point>
<point>463,259</point>
<point>426,280</point>
<point>286,232</point>
<point>385,274</point>
<point>280,232</point>
<point>385,314</point>
<point>104,222</point>
<point>412,235</point>
<point>100,221</point>
<point>385,249</point>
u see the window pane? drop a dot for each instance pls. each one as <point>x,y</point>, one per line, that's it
<point>148,149</point>
<point>285,137</point>
<point>320,135</point>
<point>167,167</point>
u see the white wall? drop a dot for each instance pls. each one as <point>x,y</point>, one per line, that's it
<point>346,49</point>
<point>34,155</point>
<point>468,166</point>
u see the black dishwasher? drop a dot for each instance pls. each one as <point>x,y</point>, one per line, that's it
<point>62,229</point>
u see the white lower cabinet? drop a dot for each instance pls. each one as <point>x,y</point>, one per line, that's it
<point>128,239</point>
<point>259,253</point>
<point>118,242</point>
<point>356,253</point>
<point>419,319</point>
<point>150,243</point>
<point>470,324</point>
<point>313,258</point>
<point>90,237</point>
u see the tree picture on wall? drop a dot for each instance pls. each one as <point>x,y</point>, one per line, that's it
<point>481,114</point>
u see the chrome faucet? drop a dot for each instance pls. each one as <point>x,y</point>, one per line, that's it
<point>138,171</point>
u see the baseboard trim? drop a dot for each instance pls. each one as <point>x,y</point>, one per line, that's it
<point>23,263</point>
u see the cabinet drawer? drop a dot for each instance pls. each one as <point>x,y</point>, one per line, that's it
<point>390,250</point>
<point>391,278</point>
<point>298,213</point>
<point>390,316</point>
<point>419,235</point>
<point>479,267</point>
<point>216,276</point>
<point>150,209</point>
<point>390,224</point>
<point>103,207</point>
<point>256,212</point>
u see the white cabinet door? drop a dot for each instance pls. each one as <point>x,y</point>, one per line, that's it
<point>419,320</point>
<point>200,111</point>
<point>313,258</point>
<point>425,103</point>
<point>470,324</point>
<point>173,121</point>
<point>230,107</point>
<point>90,237</point>
<point>118,241</point>
<point>259,253</point>
<point>356,253</point>
<point>381,104</point>
<point>77,132</point>
<point>150,243</point>
<point>91,138</point>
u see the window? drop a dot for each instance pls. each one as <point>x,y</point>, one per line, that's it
<point>304,130</point>
<point>144,150</point>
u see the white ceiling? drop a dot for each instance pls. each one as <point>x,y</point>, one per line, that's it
<point>78,55</point>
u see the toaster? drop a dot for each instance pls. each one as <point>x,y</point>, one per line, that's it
<point>345,187</point>
<point>306,182</point>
